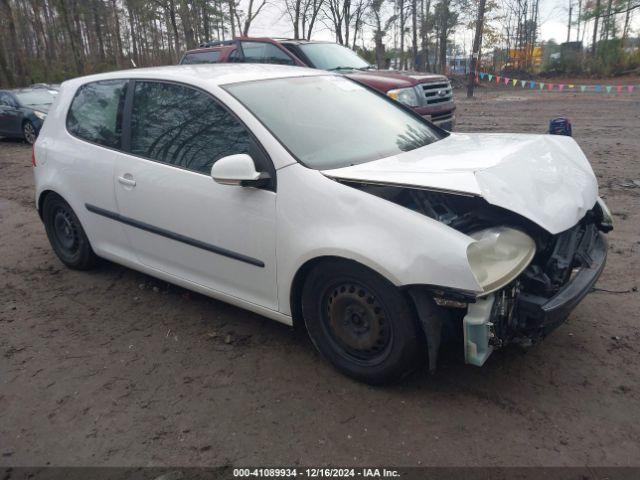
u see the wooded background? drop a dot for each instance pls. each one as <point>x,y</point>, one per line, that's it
<point>51,40</point>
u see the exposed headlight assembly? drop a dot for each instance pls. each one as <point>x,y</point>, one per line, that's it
<point>606,219</point>
<point>40,115</point>
<point>407,96</point>
<point>499,255</point>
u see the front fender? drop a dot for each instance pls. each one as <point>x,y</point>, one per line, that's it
<point>320,217</point>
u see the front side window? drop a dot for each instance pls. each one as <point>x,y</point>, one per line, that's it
<point>260,52</point>
<point>329,121</point>
<point>201,57</point>
<point>183,126</point>
<point>95,114</point>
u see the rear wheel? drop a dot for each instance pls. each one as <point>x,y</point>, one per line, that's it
<point>66,234</point>
<point>361,322</point>
<point>29,132</point>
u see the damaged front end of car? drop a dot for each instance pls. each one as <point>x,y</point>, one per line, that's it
<point>531,279</point>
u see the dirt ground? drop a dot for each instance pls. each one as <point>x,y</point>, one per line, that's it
<point>112,367</point>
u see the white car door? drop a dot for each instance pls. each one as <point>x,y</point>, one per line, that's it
<point>180,221</point>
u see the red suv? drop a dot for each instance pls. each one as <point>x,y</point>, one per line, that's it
<point>430,95</point>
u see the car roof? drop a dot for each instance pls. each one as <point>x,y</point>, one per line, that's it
<point>231,44</point>
<point>212,74</point>
<point>304,42</point>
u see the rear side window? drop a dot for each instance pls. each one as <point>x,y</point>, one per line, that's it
<point>201,57</point>
<point>95,114</point>
<point>260,52</point>
<point>184,127</point>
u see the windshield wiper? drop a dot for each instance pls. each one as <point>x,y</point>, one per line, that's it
<point>368,67</point>
<point>341,68</point>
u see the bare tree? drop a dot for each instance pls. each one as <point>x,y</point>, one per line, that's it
<point>9,19</point>
<point>381,27</point>
<point>246,18</point>
<point>475,51</point>
<point>303,15</point>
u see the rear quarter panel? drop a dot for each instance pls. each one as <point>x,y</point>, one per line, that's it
<point>80,172</point>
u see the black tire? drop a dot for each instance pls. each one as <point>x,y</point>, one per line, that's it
<point>29,132</point>
<point>361,322</point>
<point>66,235</point>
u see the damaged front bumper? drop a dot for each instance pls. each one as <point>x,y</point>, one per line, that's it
<point>515,315</point>
<point>546,314</point>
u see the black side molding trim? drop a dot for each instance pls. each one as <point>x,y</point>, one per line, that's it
<point>174,236</point>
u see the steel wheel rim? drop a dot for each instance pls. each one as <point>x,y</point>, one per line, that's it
<point>29,133</point>
<point>65,232</point>
<point>356,322</point>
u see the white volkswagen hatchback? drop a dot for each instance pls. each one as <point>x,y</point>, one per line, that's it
<point>303,196</point>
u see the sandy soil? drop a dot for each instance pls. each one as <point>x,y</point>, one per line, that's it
<point>112,367</point>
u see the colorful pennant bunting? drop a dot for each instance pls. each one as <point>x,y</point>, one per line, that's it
<point>551,86</point>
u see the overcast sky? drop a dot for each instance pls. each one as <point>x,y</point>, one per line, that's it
<point>274,22</point>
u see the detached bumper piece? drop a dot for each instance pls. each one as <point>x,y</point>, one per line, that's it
<point>541,299</point>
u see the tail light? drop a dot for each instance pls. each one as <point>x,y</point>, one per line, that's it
<point>33,156</point>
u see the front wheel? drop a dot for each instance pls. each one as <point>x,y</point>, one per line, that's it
<point>29,132</point>
<point>66,235</point>
<point>361,322</point>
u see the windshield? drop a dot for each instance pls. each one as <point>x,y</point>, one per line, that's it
<point>331,56</point>
<point>330,121</point>
<point>35,97</point>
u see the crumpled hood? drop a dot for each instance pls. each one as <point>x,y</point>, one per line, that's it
<point>545,178</point>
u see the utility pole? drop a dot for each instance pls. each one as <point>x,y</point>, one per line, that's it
<point>475,53</point>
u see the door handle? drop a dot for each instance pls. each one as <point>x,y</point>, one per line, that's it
<point>129,182</point>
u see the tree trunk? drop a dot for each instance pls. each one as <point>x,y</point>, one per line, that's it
<point>569,21</point>
<point>6,71</point>
<point>118,35</point>
<point>187,25</point>
<point>296,19</point>
<point>75,48</point>
<point>171,9</point>
<point>425,36</point>
<point>595,28</point>
<point>98,28</point>
<point>414,27</point>
<point>41,37</point>
<point>133,33</point>
<point>13,41</point>
<point>579,20</point>
<point>205,22</point>
<point>317,4</point>
<point>402,26</point>
<point>625,29</point>
<point>477,44</point>
<point>443,37</point>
